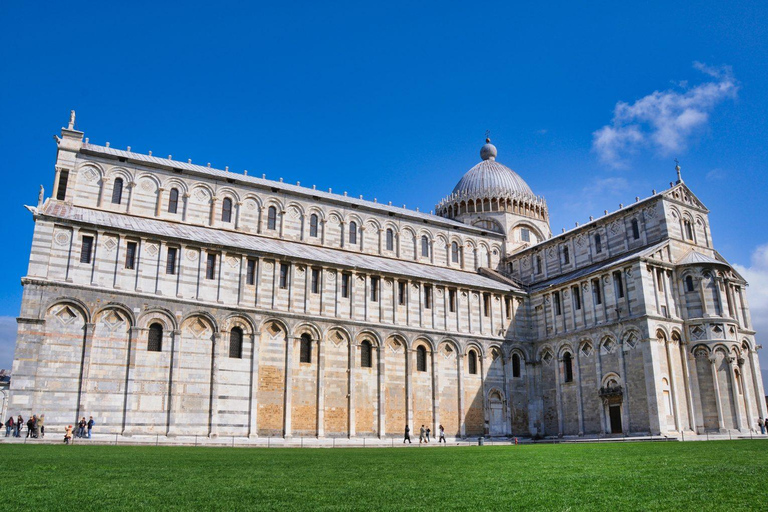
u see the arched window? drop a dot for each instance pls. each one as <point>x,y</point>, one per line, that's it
<point>515,365</point>
<point>305,355</point>
<point>635,229</point>
<point>365,354</point>
<point>568,367</point>
<point>155,339</point>
<point>226,210</point>
<point>425,246</point>
<point>236,343</point>
<point>272,218</point>
<point>598,245</point>
<point>472,362</point>
<point>390,240</point>
<point>454,252</point>
<point>117,191</point>
<point>688,283</point>
<point>688,229</point>
<point>313,225</point>
<point>421,359</point>
<point>173,201</point>
<point>353,233</point>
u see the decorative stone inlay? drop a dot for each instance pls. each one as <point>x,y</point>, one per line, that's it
<point>586,350</point>
<point>294,212</point>
<point>65,315</point>
<point>547,357</point>
<point>62,238</point>
<point>152,249</point>
<point>232,261</point>
<point>615,227</point>
<point>198,328</point>
<point>250,204</point>
<point>147,185</point>
<point>201,194</point>
<point>697,332</point>
<point>395,346</point>
<point>90,174</point>
<point>609,345</point>
<point>191,255</point>
<point>110,244</point>
<point>112,320</point>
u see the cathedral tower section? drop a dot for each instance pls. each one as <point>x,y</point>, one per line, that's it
<point>494,197</point>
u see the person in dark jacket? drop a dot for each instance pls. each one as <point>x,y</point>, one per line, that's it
<point>19,425</point>
<point>9,427</point>
<point>81,427</point>
<point>30,427</point>
<point>91,423</point>
<point>407,435</point>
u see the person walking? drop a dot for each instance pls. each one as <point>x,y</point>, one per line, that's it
<point>68,434</point>
<point>91,423</point>
<point>41,425</point>
<point>422,433</point>
<point>407,435</point>
<point>9,426</point>
<point>19,425</point>
<point>441,439</point>
<point>428,432</point>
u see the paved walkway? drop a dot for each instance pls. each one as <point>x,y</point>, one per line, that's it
<point>359,442</point>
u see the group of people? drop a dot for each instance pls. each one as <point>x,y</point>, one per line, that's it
<point>423,435</point>
<point>83,430</point>
<point>35,426</point>
<point>763,424</point>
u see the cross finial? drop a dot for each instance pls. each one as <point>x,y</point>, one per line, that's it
<point>677,168</point>
<point>487,135</point>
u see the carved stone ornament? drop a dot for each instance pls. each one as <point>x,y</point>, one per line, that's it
<point>191,255</point>
<point>696,332</point>
<point>62,238</point>
<point>232,261</point>
<point>90,174</point>
<point>110,243</point>
<point>250,204</point>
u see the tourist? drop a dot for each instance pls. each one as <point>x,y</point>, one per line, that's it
<point>30,427</point>
<point>91,423</point>
<point>9,426</point>
<point>441,439</point>
<point>422,433</point>
<point>428,432</point>
<point>36,427</point>
<point>81,427</point>
<point>766,423</point>
<point>19,425</point>
<point>41,425</point>
<point>68,434</point>
<point>761,425</point>
<point>407,435</point>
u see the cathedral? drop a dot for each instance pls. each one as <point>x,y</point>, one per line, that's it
<point>168,298</point>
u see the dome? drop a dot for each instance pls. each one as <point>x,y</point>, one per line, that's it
<point>489,178</point>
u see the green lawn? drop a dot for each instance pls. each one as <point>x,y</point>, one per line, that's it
<point>723,475</point>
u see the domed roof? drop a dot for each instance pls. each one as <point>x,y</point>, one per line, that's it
<point>489,178</point>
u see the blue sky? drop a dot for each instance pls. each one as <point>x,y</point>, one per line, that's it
<point>589,104</point>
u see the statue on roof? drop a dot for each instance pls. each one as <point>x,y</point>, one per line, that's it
<point>71,119</point>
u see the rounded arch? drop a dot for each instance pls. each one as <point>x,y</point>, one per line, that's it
<point>92,165</point>
<point>676,336</point>
<point>152,177</point>
<point>120,172</point>
<point>228,191</point>
<point>370,335</point>
<point>450,342</point>
<point>314,210</point>
<point>408,230</point>
<point>74,302</point>
<point>629,332</point>
<point>530,226</point>
<point>426,232</point>
<point>520,351</point>
<point>335,216</point>
<point>440,238</point>
<point>307,328</point>
<point>610,378</point>
<point>253,197</point>
<point>239,320</point>
<point>699,348</point>
<point>274,321</point>
<point>273,201</point>
<point>154,314</point>
<point>353,217</point>
<point>372,223</point>
<point>423,340</point>
<point>118,306</point>
<point>204,315</point>
<point>543,350</point>
<point>203,186</point>
<point>174,182</point>
<point>298,206</point>
<point>745,344</point>
<point>721,347</point>
<point>661,333</point>
<point>343,332</point>
<point>495,391</point>
<point>472,344</point>
<point>565,347</point>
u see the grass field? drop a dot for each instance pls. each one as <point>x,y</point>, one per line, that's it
<point>722,475</point>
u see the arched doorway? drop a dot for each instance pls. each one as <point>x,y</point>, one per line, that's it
<point>496,408</point>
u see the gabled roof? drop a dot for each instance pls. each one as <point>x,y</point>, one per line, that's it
<point>266,247</point>
<point>597,267</point>
<point>169,164</point>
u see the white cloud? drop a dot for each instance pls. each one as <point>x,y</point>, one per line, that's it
<point>716,175</point>
<point>7,341</point>
<point>757,296</point>
<point>664,121</point>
